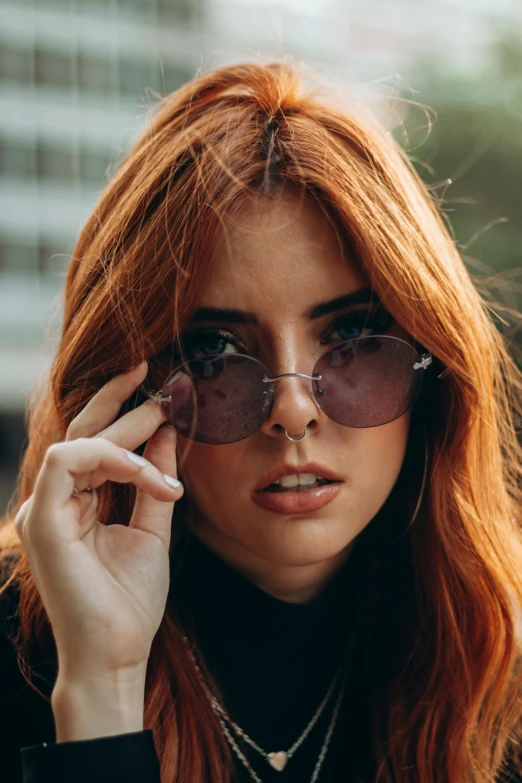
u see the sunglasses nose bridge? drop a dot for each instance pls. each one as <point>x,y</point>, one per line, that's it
<point>289,408</point>
<point>273,378</point>
<point>293,375</point>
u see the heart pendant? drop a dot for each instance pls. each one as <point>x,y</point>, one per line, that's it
<point>278,760</point>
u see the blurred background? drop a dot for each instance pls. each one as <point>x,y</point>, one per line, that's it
<point>77,78</point>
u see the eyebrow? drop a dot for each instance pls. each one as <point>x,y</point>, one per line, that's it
<point>359,296</point>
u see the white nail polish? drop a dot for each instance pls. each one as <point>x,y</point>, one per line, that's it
<point>172,482</point>
<point>136,459</point>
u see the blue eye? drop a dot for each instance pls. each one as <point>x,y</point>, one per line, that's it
<point>210,342</point>
<point>360,324</point>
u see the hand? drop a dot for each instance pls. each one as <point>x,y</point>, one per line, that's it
<point>104,586</point>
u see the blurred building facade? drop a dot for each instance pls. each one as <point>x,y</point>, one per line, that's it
<point>74,81</point>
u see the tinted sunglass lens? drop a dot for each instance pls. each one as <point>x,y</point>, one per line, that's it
<point>226,402</point>
<point>368,381</point>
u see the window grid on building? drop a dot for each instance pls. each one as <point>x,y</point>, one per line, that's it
<point>72,74</point>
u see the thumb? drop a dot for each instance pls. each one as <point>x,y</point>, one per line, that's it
<point>149,514</point>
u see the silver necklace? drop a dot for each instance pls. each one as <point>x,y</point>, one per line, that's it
<point>279,759</point>
<point>322,752</point>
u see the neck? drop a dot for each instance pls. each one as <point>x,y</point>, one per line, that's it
<point>291,583</point>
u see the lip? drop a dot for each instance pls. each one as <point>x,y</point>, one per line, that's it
<point>289,470</point>
<point>297,502</point>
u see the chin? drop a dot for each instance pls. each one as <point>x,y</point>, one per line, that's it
<point>301,542</point>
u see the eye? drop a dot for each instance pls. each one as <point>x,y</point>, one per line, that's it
<point>211,342</point>
<point>360,323</point>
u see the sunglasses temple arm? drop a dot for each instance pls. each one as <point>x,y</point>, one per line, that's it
<point>155,396</point>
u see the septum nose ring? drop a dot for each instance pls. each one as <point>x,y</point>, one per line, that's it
<point>299,375</point>
<point>295,440</point>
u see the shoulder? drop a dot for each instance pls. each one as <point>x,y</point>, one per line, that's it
<point>25,717</point>
<point>38,656</point>
<point>25,714</point>
<point>9,598</point>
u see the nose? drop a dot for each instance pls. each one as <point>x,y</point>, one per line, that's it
<point>294,406</point>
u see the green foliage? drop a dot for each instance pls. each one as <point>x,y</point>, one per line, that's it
<point>476,141</point>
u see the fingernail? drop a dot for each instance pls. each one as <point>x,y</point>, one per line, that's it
<point>172,482</point>
<point>170,429</point>
<point>134,458</point>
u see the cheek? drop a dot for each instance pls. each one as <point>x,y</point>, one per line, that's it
<point>380,454</point>
<point>213,475</point>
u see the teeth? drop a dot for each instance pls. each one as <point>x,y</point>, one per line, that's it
<point>297,479</point>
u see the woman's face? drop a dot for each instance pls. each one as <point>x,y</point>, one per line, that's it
<point>282,260</point>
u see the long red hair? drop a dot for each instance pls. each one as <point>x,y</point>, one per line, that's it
<point>444,692</point>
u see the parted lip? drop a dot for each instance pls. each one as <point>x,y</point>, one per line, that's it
<point>288,470</point>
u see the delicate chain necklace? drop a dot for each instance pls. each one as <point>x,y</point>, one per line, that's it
<point>279,759</point>
<point>279,768</point>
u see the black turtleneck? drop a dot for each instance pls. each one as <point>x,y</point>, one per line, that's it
<point>274,661</point>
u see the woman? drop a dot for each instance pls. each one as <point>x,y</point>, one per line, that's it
<point>333,591</point>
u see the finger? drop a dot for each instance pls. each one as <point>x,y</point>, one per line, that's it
<point>139,425</point>
<point>103,408</point>
<point>151,514</point>
<point>132,430</point>
<point>86,501</point>
<point>64,462</point>
<point>87,504</point>
<point>135,427</point>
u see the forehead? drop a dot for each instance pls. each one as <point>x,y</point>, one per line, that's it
<point>281,256</point>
